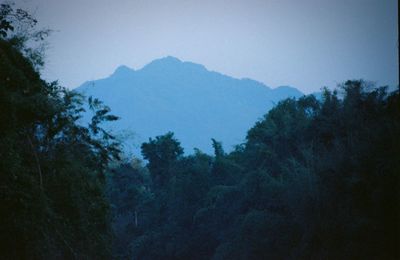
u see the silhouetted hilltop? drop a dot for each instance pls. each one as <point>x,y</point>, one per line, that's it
<point>187,99</point>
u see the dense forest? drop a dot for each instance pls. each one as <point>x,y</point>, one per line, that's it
<point>314,179</point>
<point>52,170</point>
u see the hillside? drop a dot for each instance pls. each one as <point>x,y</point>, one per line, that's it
<point>187,99</point>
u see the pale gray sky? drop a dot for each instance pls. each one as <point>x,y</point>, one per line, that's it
<point>304,43</point>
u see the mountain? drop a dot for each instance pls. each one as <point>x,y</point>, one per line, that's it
<point>187,99</point>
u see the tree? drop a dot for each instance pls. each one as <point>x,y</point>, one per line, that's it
<point>52,201</point>
<point>315,179</point>
<point>161,152</point>
<point>218,149</point>
<point>18,28</point>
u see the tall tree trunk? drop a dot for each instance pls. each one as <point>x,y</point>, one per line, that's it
<point>37,162</point>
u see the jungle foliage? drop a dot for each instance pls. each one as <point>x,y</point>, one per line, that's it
<point>315,179</point>
<point>52,169</point>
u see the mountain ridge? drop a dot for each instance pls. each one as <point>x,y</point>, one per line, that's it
<point>184,97</point>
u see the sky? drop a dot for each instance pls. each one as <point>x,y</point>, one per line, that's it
<point>307,44</point>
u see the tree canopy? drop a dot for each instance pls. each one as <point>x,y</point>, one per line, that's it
<point>52,201</point>
<point>315,179</point>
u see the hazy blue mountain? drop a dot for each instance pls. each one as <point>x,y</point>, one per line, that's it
<point>187,99</point>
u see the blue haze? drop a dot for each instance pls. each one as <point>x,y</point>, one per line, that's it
<point>187,99</point>
<point>308,44</point>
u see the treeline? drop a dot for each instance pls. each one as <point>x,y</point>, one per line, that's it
<point>52,170</point>
<point>315,179</point>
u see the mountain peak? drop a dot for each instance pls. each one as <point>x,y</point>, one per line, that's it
<point>165,61</point>
<point>170,63</point>
<point>184,97</point>
<point>287,91</point>
<point>123,70</point>
<point>170,59</point>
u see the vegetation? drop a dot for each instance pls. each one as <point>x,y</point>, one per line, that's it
<point>315,179</point>
<point>52,201</point>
